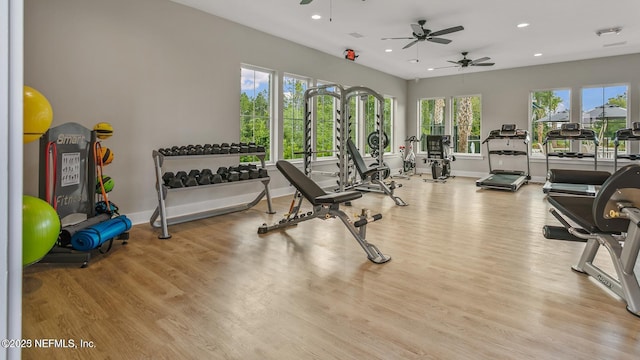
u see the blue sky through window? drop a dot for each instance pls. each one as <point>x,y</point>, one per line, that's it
<point>598,96</point>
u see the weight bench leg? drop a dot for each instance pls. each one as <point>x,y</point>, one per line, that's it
<point>372,251</point>
<point>589,253</point>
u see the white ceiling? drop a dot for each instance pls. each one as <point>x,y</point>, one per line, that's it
<point>562,30</point>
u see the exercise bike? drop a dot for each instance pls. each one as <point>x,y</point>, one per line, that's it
<point>408,157</point>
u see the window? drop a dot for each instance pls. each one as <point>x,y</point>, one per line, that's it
<point>325,124</point>
<point>293,116</point>
<point>388,120</point>
<point>549,109</point>
<point>604,110</point>
<point>372,118</point>
<point>431,118</point>
<point>352,119</point>
<point>255,108</point>
<point>466,124</point>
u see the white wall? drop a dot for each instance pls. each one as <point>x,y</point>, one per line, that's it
<point>505,98</point>
<point>162,74</point>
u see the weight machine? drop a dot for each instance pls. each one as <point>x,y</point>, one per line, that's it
<point>377,140</point>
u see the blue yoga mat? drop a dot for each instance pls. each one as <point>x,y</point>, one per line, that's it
<point>94,236</point>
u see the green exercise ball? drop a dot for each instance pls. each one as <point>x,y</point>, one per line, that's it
<point>40,229</point>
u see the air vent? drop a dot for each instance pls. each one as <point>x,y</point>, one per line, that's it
<point>356,35</point>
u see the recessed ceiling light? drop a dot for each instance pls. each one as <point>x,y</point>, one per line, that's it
<point>316,17</point>
<point>430,69</point>
<point>388,50</point>
<point>537,54</point>
<point>523,25</point>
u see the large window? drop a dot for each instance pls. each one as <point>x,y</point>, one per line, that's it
<point>372,117</point>
<point>604,109</point>
<point>293,116</point>
<point>325,124</point>
<point>549,109</point>
<point>255,107</point>
<point>431,118</point>
<point>466,124</point>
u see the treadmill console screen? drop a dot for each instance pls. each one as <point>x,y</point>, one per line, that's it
<point>570,127</point>
<point>508,127</point>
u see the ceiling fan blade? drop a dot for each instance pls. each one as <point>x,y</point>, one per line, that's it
<point>398,38</point>
<point>410,44</point>
<point>484,64</point>
<point>453,62</point>
<point>305,2</point>
<point>447,31</point>
<point>476,61</point>
<point>417,29</point>
<point>439,40</point>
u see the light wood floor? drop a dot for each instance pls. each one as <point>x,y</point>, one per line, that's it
<point>471,278</point>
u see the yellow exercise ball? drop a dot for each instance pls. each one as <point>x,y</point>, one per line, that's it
<point>38,114</point>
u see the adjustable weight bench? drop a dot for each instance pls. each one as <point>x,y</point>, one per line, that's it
<point>610,218</point>
<point>325,206</point>
<point>367,175</point>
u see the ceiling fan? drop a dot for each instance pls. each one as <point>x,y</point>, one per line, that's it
<point>464,62</point>
<point>422,34</point>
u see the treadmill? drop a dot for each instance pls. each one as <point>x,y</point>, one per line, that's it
<point>573,182</point>
<point>510,180</point>
<point>631,134</point>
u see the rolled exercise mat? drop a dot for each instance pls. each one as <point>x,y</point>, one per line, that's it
<point>94,236</point>
<point>68,231</point>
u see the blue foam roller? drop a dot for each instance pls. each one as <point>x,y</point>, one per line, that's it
<point>94,236</point>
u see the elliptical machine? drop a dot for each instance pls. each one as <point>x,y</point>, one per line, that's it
<point>439,157</point>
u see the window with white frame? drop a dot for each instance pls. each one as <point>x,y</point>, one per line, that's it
<point>466,124</point>
<point>293,116</point>
<point>256,107</point>
<point>604,110</point>
<point>431,113</point>
<point>325,124</point>
<point>549,110</point>
<point>372,118</point>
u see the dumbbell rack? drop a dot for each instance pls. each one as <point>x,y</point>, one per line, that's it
<point>163,191</point>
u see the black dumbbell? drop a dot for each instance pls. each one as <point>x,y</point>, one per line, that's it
<point>216,178</point>
<point>204,179</point>
<point>182,175</point>
<point>175,182</point>
<point>166,177</point>
<point>191,181</point>
<point>233,176</point>
<point>206,172</point>
<point>194,173</point>
<point>222,171</point>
